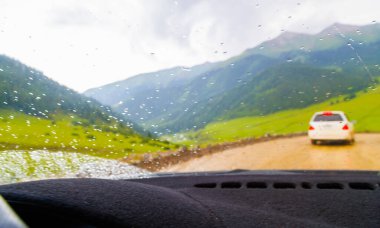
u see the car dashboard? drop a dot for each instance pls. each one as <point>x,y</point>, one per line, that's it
<point>239,198</point>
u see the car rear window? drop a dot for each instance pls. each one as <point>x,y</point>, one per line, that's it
<point>332,117</point>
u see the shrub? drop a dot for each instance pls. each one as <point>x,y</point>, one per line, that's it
<point>91,136</point>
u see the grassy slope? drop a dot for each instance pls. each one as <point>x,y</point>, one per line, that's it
<point>21,131</point>
<point>365,109</point>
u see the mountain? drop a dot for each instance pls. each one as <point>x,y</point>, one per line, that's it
<point>291,71</point>
<point>149,82</point>
<point>154,103</point>
<point>286,86</point>
<point>29,91</point>
<point>332,37</point>
<point>44,114</point>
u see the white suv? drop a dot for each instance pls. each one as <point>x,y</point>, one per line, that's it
<point>330,126</point>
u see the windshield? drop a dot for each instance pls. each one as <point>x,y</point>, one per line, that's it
<point>125,88</point>
<point>324,118</point>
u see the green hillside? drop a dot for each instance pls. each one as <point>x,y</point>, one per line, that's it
<point>364,108</point>
<point>286,86</point>
<point>38,113</point>
<point>72,133</point>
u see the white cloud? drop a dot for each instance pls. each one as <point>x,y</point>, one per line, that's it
<point>88,43</point>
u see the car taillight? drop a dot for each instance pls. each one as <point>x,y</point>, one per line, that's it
<point>311,128</point>
<point>345,127</point>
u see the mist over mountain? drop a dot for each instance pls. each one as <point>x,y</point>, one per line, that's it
<point>291,71</point>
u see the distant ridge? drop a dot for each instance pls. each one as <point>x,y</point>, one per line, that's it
<point>248,84</point>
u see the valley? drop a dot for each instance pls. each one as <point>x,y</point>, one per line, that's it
<point>269,90</point>
<point>291,71</point>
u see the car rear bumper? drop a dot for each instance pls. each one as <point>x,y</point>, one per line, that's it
<point>343,135</point>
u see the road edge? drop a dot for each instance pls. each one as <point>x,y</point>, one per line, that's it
<point>166,159</point>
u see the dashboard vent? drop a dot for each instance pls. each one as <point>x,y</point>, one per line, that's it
<point>362,186</point>
<point>284,185</point>
<point>231,185</point>
<point>257,185</point>
<point>330,186</point>
<point>291,185</point>
<point>205,185</point>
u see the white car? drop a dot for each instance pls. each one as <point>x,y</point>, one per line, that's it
<point>330,126</point>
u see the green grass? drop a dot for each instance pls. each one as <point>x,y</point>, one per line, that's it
<point>65,133</point>
<point>364,108</point>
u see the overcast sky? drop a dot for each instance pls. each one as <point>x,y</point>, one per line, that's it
<point>88,43</point>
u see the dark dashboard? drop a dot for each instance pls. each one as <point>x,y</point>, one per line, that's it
<point>221,199</point>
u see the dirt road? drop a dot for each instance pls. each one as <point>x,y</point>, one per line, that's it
<point>291,153</point>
